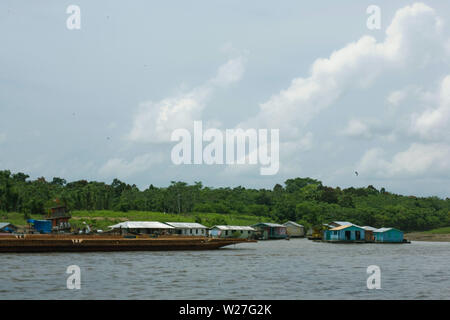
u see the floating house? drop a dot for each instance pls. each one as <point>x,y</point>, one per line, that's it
<point>319,232</point>
<point>270,230</point>
<point>237,232</point>
<point>369,236</point>
<point>294,230</point>
<point>7,227</point>
<point>345,233</point>
<point>144,227</point>
<point>188,229</point>
<point>388,235</point>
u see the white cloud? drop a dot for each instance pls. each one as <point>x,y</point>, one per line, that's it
<point>357,128</point>
<point>369,128</point>
<point>418,160</point>
<point>230,72</point>
<point>434,123</point>
<point>396,97</point>
<point>413,38</point>
<point>121,168</point>
<point>155,121</point>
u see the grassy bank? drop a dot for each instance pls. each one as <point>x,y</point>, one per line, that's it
<point>102,219</point>
<point>439,234</point>
<point>16,218</point>
<point>445,230</point>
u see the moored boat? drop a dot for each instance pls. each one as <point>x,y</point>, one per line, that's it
<point>87,243</point>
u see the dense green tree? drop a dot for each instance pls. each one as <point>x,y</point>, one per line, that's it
<point>304,200</point>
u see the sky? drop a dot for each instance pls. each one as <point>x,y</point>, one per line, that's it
<point>102,101</point>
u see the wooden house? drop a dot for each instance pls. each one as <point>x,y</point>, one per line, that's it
<point>369,236</point>
<point>268,230</point>
<point>294,230</point>
<point>59,217</point>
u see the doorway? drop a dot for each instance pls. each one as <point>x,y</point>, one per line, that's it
<point>348,235</point>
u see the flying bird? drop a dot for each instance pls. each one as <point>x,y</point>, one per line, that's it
<point>356,172</point>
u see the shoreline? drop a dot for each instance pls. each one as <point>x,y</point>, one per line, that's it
<point>420,236</point>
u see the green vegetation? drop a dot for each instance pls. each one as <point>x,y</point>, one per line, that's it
<point>16,218</point>
<point>439,231</point>
<point>103,218</point>
<point>303,200</point>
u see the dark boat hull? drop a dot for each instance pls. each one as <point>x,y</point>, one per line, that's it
<point>105,244</point>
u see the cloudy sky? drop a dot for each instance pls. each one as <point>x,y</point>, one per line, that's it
<point>102,101</point>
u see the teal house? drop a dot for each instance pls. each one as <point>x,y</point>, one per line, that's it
<point>388,235</point>
<point>345,233</point>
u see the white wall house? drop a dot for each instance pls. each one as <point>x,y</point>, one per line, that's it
<point>145,227</point>
<point>188,228</point>
<point>241,232</point>
<point>294,229</point>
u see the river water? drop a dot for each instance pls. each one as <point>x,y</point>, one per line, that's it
<point>295,269</point>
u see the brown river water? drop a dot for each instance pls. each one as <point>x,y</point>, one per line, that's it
<point>295,269</point>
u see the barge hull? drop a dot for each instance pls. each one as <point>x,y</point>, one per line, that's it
<point>79,244</point>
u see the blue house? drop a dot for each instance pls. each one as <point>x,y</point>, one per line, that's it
<point>388,235</point>
<point>348,233</point>
<point>41,226</point>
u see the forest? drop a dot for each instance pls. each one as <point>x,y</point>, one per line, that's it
<point>304,200</point>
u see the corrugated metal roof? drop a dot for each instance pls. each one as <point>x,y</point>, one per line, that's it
<point>186,225</point>
<point>382,229</point>
<point>293,223</point>
<point>4,224</point>
<point>234,228</point>
<point>141,225</point>
<point>369,228</point>
<point>343,223</point>
<point>273,225</point>
<point>345,226</point>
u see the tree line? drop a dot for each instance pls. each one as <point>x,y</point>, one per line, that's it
<point>304,200</point>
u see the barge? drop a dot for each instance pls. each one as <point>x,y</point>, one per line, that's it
<point>86,243</point>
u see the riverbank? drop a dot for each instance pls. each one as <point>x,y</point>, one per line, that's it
<point>423,236</point>
<point>438,235</point>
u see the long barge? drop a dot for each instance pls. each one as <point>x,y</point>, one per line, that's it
<point>86,243</point>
